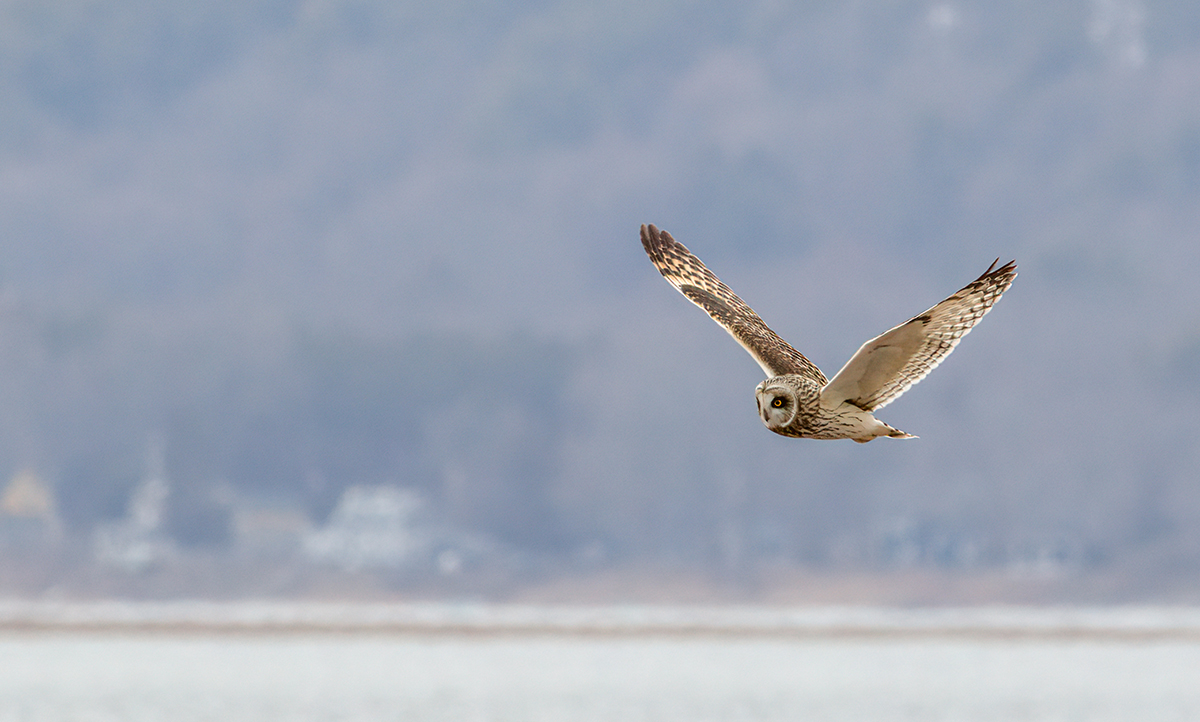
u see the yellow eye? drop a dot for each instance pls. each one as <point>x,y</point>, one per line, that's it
<point>777,403</point>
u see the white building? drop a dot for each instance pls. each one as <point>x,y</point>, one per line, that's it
<point>372,527</point>
<point>137,542</point>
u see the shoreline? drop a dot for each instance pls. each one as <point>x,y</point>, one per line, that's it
<point>285,618</point>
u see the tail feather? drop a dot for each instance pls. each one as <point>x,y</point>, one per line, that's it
<point>873,428</point>
<point>894,433</point>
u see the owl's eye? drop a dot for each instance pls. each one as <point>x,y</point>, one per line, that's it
<point>777,402</point>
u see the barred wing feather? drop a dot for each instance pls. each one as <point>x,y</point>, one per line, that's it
<point>693,279</point>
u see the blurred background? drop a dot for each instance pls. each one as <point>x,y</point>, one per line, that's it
<point>308,298</point>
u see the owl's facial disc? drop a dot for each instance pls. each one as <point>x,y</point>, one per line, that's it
<point>777,405</point>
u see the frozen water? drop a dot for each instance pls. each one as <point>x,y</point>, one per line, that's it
<point>59,678</point>
<point>135,676</point>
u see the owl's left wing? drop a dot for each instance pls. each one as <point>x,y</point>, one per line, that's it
<point>889,364</point>
<point>693,279</point>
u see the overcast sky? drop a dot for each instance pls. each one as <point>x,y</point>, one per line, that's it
<point>200,180</point>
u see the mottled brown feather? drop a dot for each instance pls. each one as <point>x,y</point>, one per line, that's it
<point>693,279</point>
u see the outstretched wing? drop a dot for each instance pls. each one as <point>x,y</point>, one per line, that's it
<point>685,272</point>
<point>889,364</point>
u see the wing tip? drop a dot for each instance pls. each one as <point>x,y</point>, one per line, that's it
<point>664,251</point>
<point>655,238</point>
<point>1004,274</point>
<point>652,242</point>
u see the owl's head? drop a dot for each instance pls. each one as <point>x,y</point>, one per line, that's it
<point>778,403</point>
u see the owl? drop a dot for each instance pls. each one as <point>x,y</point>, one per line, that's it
<point>796,399</point>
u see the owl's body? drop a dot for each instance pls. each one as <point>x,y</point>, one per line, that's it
<point>796,399</point>
<point>790,405</point>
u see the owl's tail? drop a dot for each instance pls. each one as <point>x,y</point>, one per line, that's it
<point>889,431</point>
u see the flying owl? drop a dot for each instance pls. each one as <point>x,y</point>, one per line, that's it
<point>796,399</point>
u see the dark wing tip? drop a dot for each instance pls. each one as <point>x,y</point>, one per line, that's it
<point>661,246</point>
<point>650,239</point>
<point>1007,270</point>
<point>653,238</point>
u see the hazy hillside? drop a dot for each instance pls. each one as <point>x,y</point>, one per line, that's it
<point>309,245</point>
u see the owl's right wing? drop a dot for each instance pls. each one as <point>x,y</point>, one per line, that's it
<point>693,279</point>
<point>889,364</point>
